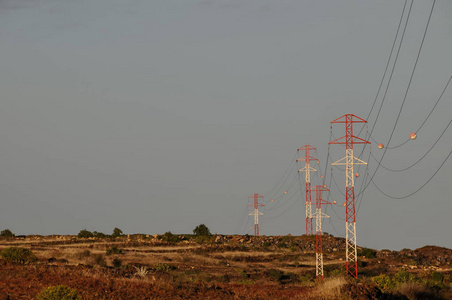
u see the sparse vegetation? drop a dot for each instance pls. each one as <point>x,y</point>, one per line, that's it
<point>113,250</point>
<point>18,255</point>
<point>214,267</point>
<point>59,292</point>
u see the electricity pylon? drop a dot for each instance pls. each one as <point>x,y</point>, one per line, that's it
<point>307,169</point>
<point>256,212</point>
<point>318,230</point>
<point>349,161</point>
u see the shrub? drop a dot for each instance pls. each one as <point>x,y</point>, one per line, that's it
<point>59,292</point>
<point>116,263</point>
<point>170,238</point>
<point>163,267</point>
<point>100,260</point>
<point>202,239</point>
<point>85,234</point>
<point>201,230</point>
<point>437,276</point>
<point>367,253</point>
<point>7,233</point>
<point>116,232</point>
<point>17,254</point>
<point>275,274</point>
<point>100,235</point>
<point>384,282</point>
<point>403,276</point>
<point>113,250</point>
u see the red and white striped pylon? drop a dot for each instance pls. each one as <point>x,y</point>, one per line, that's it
<point>307,169</point>
<point>349,161</point>
<point>256,212</point>
<point>318,230</point>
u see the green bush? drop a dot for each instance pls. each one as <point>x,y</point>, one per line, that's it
<point>85,234</point>
<point>7,233</point>
<point>116,232</point>
<point>384,282</point>
<point>113,250</point>
<point>163,267</point>
<point>275,274</point>
<point>17,254</point>
<point>403,276</point>
<point>367,253</point>
<point>201,230</point>
<point>170,238</point>
<point>437,276</point>
<point>203,239</point>
<point>100,235</point>
<point>59,292</point>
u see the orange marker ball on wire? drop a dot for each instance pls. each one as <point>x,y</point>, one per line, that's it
<point>321,176</point>
<point>356,174</point>
<point>334,202</point>
<point>413,136</point>
<point>343,204</point>
<point>380,146</point>
<point>285,192</point>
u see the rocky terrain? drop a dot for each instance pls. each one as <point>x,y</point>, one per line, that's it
<point>219,267</point>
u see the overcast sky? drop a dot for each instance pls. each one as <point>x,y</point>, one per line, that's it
<point>156,116</point>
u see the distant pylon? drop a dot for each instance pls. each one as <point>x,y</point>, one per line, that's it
<point>256,212</point>
<point>318,230</point>
<point>349,161</point>
<point>307,168</point>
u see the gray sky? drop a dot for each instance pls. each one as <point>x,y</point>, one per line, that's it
<point>156,116</point>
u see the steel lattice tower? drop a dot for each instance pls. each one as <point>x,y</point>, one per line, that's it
<point>307,169</point>
<point>256,212</point>
<point>318,230</point>
<point>349,161</point>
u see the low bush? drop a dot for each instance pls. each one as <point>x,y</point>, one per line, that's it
<point>384,282</point>
<point>163,267</point>
<point>59,292</point>
<point>113,250</point>
<point>276,275</point>
<point>170,238</point>
<point>99,260</point>
<point>437,276</point>
<point>19,255</point>
<point>116,263</point>
<point>367,253</point>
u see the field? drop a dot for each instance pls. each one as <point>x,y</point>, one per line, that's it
<point>219,267</point>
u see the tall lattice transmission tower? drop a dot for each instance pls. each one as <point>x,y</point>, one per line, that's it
<point>307,169</point>
<point>318,230</point>
<point>256,213</point>
<point>349,161</point>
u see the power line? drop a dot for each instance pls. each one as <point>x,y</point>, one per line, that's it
<point>409,195</point>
